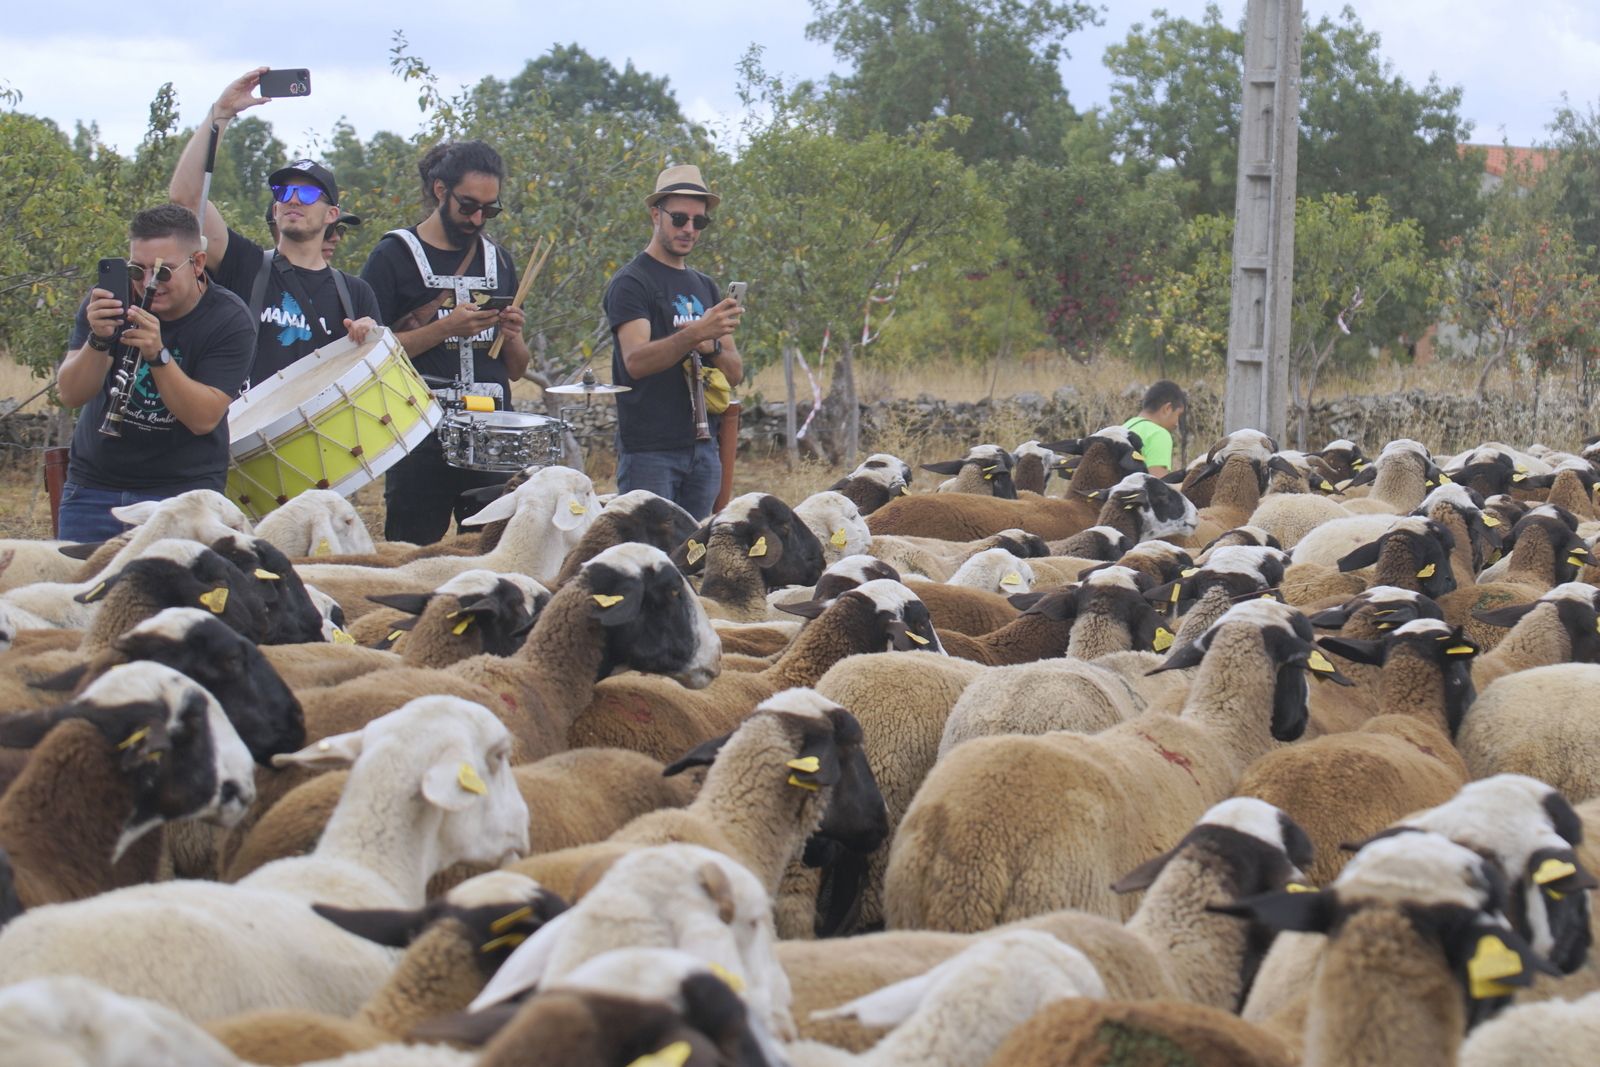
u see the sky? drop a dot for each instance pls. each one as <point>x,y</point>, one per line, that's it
<point>103,62</point>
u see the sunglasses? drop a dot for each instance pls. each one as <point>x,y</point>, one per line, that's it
<point>469,207</point>
<point>335,230</point>
<point>680,219</point>
<point>137,272</point>
<point>305,194</point>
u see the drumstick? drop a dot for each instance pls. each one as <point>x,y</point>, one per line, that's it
<point>522,290</point>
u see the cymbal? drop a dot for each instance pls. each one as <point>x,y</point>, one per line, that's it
<point>588,389</point>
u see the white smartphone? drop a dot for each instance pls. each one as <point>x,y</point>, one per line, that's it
<point>737,290</point>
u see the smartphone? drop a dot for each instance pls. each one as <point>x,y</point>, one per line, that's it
<point>113,278</point>
<point>494,303</point>
<point>736,290</point>
<point>276,83</point>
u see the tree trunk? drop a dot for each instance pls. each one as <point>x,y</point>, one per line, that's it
<point>791,446</point>
<point>1489,365</point>
<point>852,410</point>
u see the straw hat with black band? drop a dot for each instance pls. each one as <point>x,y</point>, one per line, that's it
<point>682,180</point>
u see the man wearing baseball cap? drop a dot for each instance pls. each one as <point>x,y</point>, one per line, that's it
<point>659,311</point>
<point>299,302</point>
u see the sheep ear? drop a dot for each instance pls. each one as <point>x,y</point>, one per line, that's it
<point>98,590</point>
<point>1189,655</point>
<point>80,551</point>
<point>453,784</point>
<point>525,967</point>
<point>135,514</point>
<point>470,1029</point>
<point>889,1006</point>
<point>701,755</point>
<point>570,513</point>
<point>1331,618</point>
<point>394,927</point>
<point>65,682</point>
<point>1371,653</point>
<point>1070,446</point>
<point>330,753</point>
<point>502,507</point>
<point>717,885</point>
<point>806,609</point>
<point>410,603</point>
<point>1024,601</point>
<point>1507,616</point>
<point>1365,475</point>
<point>27,729</point>
<point>1365,556</point>
<point>1299,912</point>
<point>616,598</point>
<point>1282,466</point>
<point>1144,875</point>
<point>819,749</point>
<point>952,466</point>
<point>766,549</point>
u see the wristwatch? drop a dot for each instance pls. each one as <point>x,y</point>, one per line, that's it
<point>163,358</point>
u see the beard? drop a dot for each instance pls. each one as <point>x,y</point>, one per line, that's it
<point>458,233</point>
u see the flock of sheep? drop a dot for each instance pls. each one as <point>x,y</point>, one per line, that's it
<point>1286,758</point>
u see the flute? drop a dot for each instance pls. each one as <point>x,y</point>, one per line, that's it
<point>126,364</point>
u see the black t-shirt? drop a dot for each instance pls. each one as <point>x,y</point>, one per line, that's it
<point>392,273</point>
<point>287,330</point>
<point>213,344</point>
<point>659,413</point>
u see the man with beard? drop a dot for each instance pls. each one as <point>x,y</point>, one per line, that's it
<point>417,273</point>
<point>300,303</point>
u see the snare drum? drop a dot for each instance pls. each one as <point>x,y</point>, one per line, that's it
<point>335,419</point>
<point>507,441</point>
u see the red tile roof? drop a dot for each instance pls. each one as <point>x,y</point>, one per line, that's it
<point>1497,158</point>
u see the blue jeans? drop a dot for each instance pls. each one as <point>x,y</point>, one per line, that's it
<point>689,477</point>
<point>86,512</point>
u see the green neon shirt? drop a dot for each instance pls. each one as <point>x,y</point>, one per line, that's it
<point>1157,441</point>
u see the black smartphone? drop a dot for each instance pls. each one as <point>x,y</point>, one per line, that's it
<point>494,303</point>
<point>279,83</point>
<point>113,278</point>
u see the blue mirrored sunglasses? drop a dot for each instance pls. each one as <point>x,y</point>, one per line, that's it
<point>305,194</point>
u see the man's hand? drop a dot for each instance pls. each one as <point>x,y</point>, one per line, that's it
<point>468,320</point>
<point>239,96</point>
<point>717,323</point>
<point>512,320</point>
<point>104,313</point>
<point>357,329</point>
<point>143,333</point>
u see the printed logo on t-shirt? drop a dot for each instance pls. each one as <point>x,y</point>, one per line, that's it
<point>145,407</point>
<point>686,309</point>
<point>289,316</point>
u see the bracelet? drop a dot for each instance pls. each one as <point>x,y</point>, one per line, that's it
<point>97,344</point>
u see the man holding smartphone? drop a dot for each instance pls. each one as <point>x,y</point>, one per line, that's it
<point>300,302</point>
<point>193,345</point>
<point>660,311</point>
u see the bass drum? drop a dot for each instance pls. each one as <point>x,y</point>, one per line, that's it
<point>336,419</point>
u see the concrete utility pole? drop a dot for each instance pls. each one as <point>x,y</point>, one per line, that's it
<point>1263,235</point>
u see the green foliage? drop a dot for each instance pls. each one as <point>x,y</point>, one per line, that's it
<point>994,61</point>
<point>1180,324</point>
<point>1576,172</point>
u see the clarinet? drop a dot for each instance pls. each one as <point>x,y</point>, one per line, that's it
<point>126,364</point>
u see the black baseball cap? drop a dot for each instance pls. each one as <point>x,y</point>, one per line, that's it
<point>307,170</point>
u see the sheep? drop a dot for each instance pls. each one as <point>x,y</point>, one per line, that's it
<point>837,523</point>
<point>755,544</point>
<point>1290,517</point>
<point>431,786</point>
<point>548,515</point>
<point>1540,722</point>
<point>996,571</point>
<point>1103,543</point>
<point>642,714</point>
<point>938,559</point>
<point>1239,537</point>
<point>451,947</point>
<point>1085,1031</point>
<point>640,516</point>
<point>1348,786</point>
<point>141,746</point>
<point>758,803</point>
<point>1344,459</point>
<point>953,865</point>
<point>843,575</point>
<point>1108,456</point>
<point>1547,552</point>
<point>476,612</point>
<point>1033,465</point>
<point>959,1012</point>
<point>71,1020</point>
<point>1103,614</point>
<point>1414,553</point>
<point>671,896</point>
<point>1555,1033</point>
<point>1460,510</point>
<point>1230,573</point>
<point>1330,540</point>
<point>985,470</point>
<point>1560,627</point>
<point>1240,471</point>
<point>1401,476</point>
<point>877,480</point>
<point>1570,486</point>
<point>318,522</point>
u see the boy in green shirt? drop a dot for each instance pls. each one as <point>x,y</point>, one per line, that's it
<point>1163,407</point>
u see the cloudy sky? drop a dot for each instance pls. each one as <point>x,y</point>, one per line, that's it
<point>103,62</point>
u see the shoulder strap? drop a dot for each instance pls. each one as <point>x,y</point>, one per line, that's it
<point>258,289</point>
<point>342,286</point>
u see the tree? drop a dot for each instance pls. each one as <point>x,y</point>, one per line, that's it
<point>994,61</point>
<point>571,82</point>
<point>1575,169</point>
<point>1176,98</point>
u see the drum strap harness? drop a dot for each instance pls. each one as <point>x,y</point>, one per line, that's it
<point>270,260</point>
<point>461,285</point>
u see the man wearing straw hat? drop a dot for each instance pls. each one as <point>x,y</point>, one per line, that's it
<point>660,311</point>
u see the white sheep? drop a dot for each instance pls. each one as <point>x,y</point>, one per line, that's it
<point>74,1021</point>
<point>318,522</point>
<point>837,522</point>
<point>996,571</point>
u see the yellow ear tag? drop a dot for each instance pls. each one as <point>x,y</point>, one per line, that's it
<point>810,787</point>
<point>1490,521</point>
<point>1460,650</point>
<point>1325,485</point>
<point>674,1055</point>
<point>462,627</point>
<point>265,575</point>
<point>918,638</point>
<point>1011,578</point>
<point>905,490</point>
<point>607,601</point>
<point>1553,870</point>
<point>759,548</point>
<point>838,539</point>
<point>467,778</point>
<point>1176,589</point>
<point>340,637</point>
<point>1576,561</point>
<point>1163,639</point>
<point>1139,456</point>
<point>216,600</point>
<point>1299,887</point>
<point>694,551</point>
<point>1490,963</point>
<point>94,594</point>
<point>1444,479</point>
<point>1189,572</point>
<point>1428,571</point>
<point>133,739</point>
<point>504,941</point>
<point>576,508</point>
<point>394,635</point>
<point>323,548</point>
<point>510,919</point>
<point>1519,477</point>
<point>731,980</point>
<point>808,764</point>
<point>1318,662</point>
